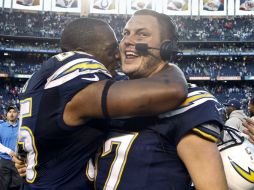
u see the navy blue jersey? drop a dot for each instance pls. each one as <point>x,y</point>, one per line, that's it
<point>56,153</point>
<point>147,159</point>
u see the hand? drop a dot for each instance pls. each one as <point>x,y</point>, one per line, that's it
<point>249,125</point>
<point>20,165</point>
<point>12,154</point>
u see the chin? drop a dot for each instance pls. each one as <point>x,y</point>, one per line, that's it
<point>131,64</point>
<point>128,67</point>
<point>126,70</point>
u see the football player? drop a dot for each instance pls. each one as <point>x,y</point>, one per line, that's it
<point>175,147</point>
<point>60,101</point>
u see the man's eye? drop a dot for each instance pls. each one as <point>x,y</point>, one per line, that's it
<point>142,34</point>
<point>125,33</point>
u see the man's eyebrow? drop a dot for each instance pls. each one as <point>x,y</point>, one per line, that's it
<point>141,29</point>
<point>136,30</point>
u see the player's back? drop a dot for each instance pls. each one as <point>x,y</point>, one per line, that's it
<point>147,159</point>
<point>56,153</point>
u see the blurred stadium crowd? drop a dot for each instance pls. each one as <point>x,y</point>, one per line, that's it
<point>28,39</point>
<point>50,25</point>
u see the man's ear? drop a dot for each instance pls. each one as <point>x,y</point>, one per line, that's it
<point>117,55</point>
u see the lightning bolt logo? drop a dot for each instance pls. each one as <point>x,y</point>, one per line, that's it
<point>248,175</point>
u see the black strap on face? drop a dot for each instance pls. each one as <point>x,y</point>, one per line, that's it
<point>104,98</point>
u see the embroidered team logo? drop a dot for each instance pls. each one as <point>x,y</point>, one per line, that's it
<point>94,78</point>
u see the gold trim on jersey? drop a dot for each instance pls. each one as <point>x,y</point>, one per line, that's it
<point>206,135</point>
<point>96,169</point>
<point>30,153</point>
<point>194,99</point>
<point>119,140</point>
<point>26,107</point>
<point>22,144</point>
<point>89,168</point>
<point>85,65</point>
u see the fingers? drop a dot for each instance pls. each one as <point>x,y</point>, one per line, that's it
<point>12,154</point>
<point>250,121</point>
<point>250,135</point>
<point>249,125</point>
<point>20,165</point>
<point>16,160</point>
<point>251,140</point>
<point>22,171</point>
<point>249,129</point>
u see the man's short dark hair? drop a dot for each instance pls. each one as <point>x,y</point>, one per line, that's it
<point>11,107</point>
<point>168,29</point>
<point>252,101</point>
<point>81,34</point>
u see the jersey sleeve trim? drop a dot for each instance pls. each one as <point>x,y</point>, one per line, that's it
<point>193,100</point>
<point>206,133</point>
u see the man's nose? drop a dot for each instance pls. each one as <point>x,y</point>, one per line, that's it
<point>129,40</point>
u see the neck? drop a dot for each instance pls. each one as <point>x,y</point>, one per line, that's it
<point>12,122</point>
<point>149,71</point>
<point>160,67</point>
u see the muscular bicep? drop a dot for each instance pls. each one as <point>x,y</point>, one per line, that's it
<point>147,96</point>
<point>203,161</point>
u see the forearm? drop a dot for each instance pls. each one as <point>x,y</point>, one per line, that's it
<point>203,161</point>
<point>149,96</point>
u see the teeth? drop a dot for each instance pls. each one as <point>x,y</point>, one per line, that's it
<point>131,54</point>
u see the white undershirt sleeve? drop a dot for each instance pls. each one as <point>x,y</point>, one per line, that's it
<point>4,149</point>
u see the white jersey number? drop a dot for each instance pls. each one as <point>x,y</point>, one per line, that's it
<point>26,140</point>
<point>123,143</point>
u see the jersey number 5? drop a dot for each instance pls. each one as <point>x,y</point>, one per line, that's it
<point>26,140</point>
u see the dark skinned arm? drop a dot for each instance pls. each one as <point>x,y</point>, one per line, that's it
<point>162,92</point>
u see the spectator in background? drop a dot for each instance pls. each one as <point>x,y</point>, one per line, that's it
<point>251,108</point>
<point>9,177</point>
<point>1,118</point>
<point>235,115</point>
<point>249,122</point>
